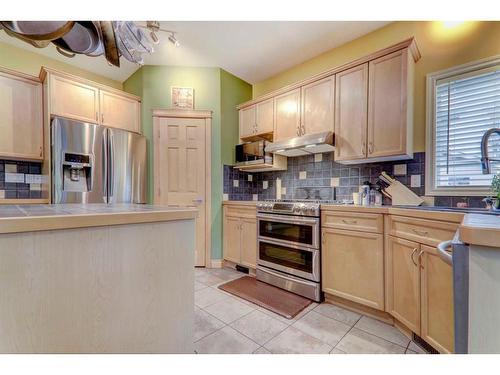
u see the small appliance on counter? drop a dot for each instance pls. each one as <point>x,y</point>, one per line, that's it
<point>96,164</point>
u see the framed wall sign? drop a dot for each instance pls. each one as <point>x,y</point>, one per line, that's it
<point>182,97</point>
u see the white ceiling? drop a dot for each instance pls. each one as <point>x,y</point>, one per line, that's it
<point>252,51</point>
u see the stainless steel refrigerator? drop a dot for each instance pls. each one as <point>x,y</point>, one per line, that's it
<point>97,164</point>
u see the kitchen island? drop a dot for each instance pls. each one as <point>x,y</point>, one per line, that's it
<point>96,279</point>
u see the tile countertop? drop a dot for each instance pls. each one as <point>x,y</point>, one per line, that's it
<point>28,218</point>
<point>482,230</point>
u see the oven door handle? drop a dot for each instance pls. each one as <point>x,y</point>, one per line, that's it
<point>284,219</point>
<point>291,245</point>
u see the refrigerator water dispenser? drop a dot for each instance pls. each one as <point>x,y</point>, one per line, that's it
<point>77,172</point>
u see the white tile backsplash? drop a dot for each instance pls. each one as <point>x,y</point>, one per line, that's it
<point>35,187</point>
<point>318,158</point>
<point>33,178</point>
<point>250,177</point>
<point>302,175</point>
<point>335,182</point>
<point>255,197</point>
<point>415,180</point>
<point>265,184</point>
<point>10,168</point>
<point>14,177</point>
<point>236,183</point>
<point>399,170</point>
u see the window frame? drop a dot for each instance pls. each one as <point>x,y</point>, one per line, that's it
<point>432,78</point>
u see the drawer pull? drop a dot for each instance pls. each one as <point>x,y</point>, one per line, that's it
<point>349,221</point>
<point>420,232</point>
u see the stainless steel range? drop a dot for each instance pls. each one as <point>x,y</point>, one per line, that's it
<point>289,245</point>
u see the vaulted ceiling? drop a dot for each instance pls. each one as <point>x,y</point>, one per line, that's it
<point>250,50</point>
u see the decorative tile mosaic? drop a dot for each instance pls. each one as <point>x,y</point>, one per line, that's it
<point>307,178</point>
<point>23,173</point>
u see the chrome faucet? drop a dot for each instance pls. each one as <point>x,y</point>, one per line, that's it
<point>485,159</point>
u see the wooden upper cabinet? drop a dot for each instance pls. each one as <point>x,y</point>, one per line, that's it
<point>265,116</point>
<point>436,301</point>
<point>402,277</point>
<point>73,99</point>
<point>388,116</point>
<point>318,100</point>
<point>351,91</point>
<point>119,111</point>
<point>287,115</point>
<point>21,121</point>
<point>247,121</point>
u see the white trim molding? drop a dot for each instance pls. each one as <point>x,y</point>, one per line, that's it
<point>432,78</point>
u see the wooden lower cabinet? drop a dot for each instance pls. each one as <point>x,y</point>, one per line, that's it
<point>436,293</point>
<point>240,236</point>
<point>403,281</point>
<point>353,266</point>
<point>249,242</point>
<point>232,239</point>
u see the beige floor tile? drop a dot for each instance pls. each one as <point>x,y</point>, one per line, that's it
<point>208,296</point>
<point>225,341</point>
<point>259,326</point>
<point>226,274</point>
<point>199,286</point>
<point>285,320</point>
<point>338,313</point>
<point>337,351</point>
<point>415,348</point>
<point>262,350</point>
<point>229,310</point>
<point>205,324</point>
<point>209,279</point>
<point>294,341</point>
<point>325,329</point>
<point>383,330</point>
<point>361,342</point>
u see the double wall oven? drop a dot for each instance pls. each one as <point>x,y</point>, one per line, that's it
<point>289,246</point>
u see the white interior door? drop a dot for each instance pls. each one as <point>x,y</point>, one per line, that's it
<point>180,171</point>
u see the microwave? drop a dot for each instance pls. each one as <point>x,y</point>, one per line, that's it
<point>252,153</point>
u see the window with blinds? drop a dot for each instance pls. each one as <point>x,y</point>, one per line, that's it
<point>465,106</point>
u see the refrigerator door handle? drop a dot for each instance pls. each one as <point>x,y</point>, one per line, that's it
<point>104,162</point>
<point>111,163</point>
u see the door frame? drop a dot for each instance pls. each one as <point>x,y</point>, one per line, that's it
<point>194,114</point>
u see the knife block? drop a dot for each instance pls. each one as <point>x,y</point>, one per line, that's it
<point>402,196</point>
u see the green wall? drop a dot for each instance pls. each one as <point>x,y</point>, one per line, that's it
<point>234,91</point>
<point>30,62</point>
<point>214,90</point>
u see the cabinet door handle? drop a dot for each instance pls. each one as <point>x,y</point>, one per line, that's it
<point>102,118</point>
<point>298,131</point>
<point>363,148</point>
<point>412,259</point>
<point>420,258</point>
<point>41,151</point>
<point>370,147</point>
<point>96,116</point>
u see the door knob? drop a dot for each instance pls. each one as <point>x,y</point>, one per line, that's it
<point>198,201</point>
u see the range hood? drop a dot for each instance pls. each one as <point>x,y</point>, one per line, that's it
<point>303,145</point>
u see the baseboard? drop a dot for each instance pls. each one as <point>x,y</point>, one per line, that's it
<point>360,309</point>
<point>216,263</point>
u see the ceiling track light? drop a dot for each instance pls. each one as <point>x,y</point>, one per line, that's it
<point>154,28</point>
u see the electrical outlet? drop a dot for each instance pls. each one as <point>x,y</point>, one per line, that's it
<point>225,197</point>
<point>255,197</point>
<point>302,175</point>
<point>250,177</point>
<point>415,181</point>
<point>236,183</point>
<point>318,158</point>
<point>334,182</point>
<point>399,170</point>
<point>265,184</point>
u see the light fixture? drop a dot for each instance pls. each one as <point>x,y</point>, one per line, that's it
<point>154,28</point>
<point>452,24</point>
<point>174,40</point>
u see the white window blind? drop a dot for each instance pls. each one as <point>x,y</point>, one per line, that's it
<point>466,106</point>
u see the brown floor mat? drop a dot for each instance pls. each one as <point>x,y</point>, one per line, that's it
<point>267,296</point>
